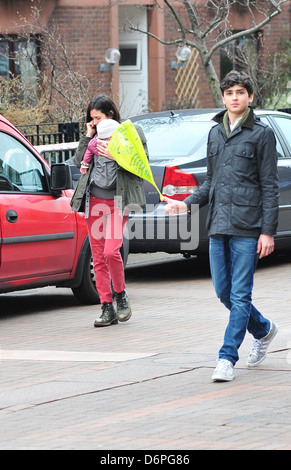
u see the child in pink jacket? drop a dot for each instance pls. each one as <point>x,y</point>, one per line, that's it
<point>105,129</point>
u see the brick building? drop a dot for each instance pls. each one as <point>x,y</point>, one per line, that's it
<point>144,78</point>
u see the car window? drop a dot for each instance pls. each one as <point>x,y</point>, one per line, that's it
<point>20,170</point>
<point>176,137</point>
<point>285,126</point>
<point>279,148</point>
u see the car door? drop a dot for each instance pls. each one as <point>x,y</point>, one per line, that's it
<point>37,234</point>
<point>282,126</point>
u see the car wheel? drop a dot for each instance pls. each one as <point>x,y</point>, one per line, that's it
<point>86,292</point>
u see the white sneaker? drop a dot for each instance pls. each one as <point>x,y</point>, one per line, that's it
<point>223,372</point>
<point>259,349</point>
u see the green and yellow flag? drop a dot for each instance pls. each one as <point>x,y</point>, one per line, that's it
<point>127,148</point>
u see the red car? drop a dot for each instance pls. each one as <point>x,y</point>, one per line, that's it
<point>42,243</point>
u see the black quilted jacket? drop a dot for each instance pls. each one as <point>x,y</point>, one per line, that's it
<point>241,186</point>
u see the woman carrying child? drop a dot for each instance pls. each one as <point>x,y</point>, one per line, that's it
<point>107,190</point>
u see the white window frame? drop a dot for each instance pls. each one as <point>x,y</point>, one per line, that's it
<point>131,45</point>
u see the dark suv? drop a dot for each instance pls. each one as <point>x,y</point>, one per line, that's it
<point>177,148</point>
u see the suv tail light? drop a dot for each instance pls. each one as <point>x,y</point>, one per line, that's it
<point>178,184</point>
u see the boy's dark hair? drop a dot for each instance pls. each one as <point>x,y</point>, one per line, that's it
<point>237,78</point>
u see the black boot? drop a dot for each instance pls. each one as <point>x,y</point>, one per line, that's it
<point>123,306</point>
<point>108,315</point>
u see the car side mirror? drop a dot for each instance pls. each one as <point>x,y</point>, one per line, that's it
<point>61,177</point>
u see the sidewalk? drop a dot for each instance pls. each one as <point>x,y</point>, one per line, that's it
<point>145,384</point>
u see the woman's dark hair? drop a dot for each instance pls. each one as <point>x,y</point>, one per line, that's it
<point>237,78</point>
<point>104,104</point>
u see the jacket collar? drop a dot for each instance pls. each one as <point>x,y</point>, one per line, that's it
<point>249,122</point>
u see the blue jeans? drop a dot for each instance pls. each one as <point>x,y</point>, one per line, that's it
<point>233,262</point>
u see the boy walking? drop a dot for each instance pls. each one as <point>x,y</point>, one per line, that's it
<point>241,188</point>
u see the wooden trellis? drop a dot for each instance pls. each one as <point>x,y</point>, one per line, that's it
<point>187,82</point>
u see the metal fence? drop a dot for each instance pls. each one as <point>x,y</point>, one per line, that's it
<point>51,133</point>
<point>56,142</point>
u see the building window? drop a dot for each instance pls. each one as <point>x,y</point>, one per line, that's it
<point>19,60</point>
<point>240,54</point>
<point>130,56</point>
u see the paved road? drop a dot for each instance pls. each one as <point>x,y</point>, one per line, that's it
<point>145,384</point>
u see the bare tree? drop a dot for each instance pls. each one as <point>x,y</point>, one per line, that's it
<point>205,26</point>
<point>65,87</point>
<point>271,78</point>
<point>53,81</point>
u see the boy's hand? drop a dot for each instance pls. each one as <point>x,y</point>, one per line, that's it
<point>174,207</point>
<point>266,245</point>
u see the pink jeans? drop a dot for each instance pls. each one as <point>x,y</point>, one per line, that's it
<point>105,228</point>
